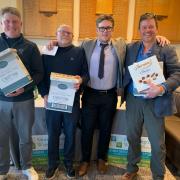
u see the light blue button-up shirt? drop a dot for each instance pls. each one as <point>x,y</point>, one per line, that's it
<point>110,68</point>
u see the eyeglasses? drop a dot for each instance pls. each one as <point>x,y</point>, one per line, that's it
<point>108,29</point>
<point>64,32</point>
<point>150,15</point>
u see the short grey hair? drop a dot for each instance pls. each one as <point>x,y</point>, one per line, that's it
<point>11,10</point>
<point>64,25</point>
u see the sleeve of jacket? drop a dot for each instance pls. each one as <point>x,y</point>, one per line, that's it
<point>171,68</point>
<point>37,70</point>
<point>84,69</point>
<point>43,86</point>
<point>36,66</point>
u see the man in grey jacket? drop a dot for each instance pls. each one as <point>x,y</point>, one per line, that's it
<point>100,96</point>
<point>153,104</point>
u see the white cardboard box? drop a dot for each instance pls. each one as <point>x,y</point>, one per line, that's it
<point>62,92</point>
<point>144,71</point>
<point>13,73</point>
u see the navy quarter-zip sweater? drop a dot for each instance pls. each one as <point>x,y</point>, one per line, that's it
<point>31,58</point>
<point>69,60</point>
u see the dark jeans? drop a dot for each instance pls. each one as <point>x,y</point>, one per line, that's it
<point>55,121</point>
<point>97,109</point>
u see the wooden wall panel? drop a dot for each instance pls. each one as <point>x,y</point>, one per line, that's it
<point>104,6</point>
<point>88,17</point>
<point>31,18</point>
<point>38,24</point>
<point>120,14</point>
<point>161,7</point>
<point>48,6</point>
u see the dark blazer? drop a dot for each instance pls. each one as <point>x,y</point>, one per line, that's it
<point>120,48</point>
<point>163,105</point>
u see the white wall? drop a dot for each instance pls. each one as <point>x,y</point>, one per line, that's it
<point>4,3</point>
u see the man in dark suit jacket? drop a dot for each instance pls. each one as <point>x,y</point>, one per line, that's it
<point>153,104</point>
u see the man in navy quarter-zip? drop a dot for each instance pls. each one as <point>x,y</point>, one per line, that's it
<point>68,60</point>
<point>17,109</point>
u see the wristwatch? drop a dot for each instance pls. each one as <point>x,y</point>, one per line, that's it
<point>162,90</point>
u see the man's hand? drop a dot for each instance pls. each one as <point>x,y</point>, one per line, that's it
<point>153,90</point>
<point>16,93</point>
<point>45,100</point>
<point>77,85</point>
<point>162,40</point>
<point>51,44</point>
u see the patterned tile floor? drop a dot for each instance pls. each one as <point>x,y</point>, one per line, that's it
<point>113,173</point>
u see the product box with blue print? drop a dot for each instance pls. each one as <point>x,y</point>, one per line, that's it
<point>13,74</point>
<point>148,70</point>
<point>62,92</point>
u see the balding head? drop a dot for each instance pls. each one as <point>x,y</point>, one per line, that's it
<point>64,35</point>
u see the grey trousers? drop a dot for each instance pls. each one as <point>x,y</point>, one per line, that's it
<point>17,116</point>
<point>139,112</point>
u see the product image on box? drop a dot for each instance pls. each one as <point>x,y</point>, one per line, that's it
<point>13,73</point>
<point>62,92</point>
<point>146,71</point>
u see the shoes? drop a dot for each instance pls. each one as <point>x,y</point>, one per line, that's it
<point>3,177</point>
<point>129,176</point>
<point>101,166</point>
<point>51,173</point>
<point>70,173</point>
<point>83,168</point>
<point>31,174</point>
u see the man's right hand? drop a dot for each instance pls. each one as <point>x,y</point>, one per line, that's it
<point>16,93</point>
<point>51,44</point>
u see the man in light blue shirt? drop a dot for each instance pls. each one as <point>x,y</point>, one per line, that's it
<point>100,97</point>
<point>156,103</point>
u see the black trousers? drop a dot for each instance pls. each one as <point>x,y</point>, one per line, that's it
<point>98,108</point>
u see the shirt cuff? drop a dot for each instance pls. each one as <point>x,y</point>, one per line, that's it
<point>165,86</point>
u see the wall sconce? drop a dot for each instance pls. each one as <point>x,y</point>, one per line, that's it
<point>104,6</point>
<point>48,7</point>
